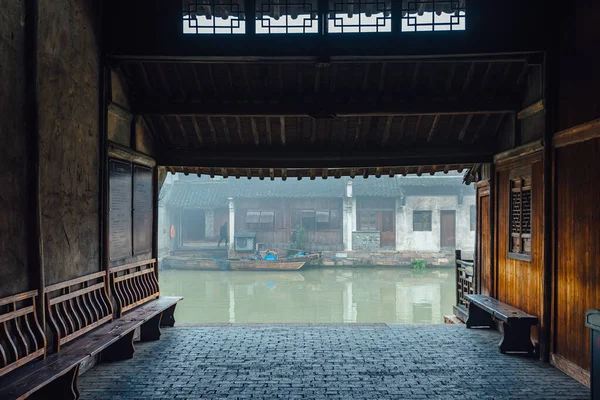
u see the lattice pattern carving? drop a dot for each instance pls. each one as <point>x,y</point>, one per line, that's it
<point>287,16</point>
<point>433,15</point>
<point>134,284</point>
<point>77,306</point>
<point>356,16</point>
<point>520,216</point>
<point>213,17</point>
<point>21,337</point>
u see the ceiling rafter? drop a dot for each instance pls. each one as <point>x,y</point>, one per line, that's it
<point>197,130</point>
<point>254,131</point>
<point>213,131</point>
<point>433,126</point>
<point>238,125</point>
<point>480,128</point>
<point>182,131</point>
<point>469,77</point>
<point>282,130</point>
<point>268,129</point>
<point>226,129</point>
<point>463,131</point>
<point>167,130</point>
<point>387,130</point>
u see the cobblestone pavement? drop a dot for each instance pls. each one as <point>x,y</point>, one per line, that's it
<point>335,361</point>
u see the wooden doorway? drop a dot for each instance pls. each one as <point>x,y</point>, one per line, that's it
<point>387,226</point>
<point>193,225</point>
<point>448,229</point>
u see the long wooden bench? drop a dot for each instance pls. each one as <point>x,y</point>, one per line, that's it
<point>22,340</point>
<point>80,315</point>
<point>484,311</point>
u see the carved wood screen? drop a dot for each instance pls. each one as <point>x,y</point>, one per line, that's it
<point>519,245</point>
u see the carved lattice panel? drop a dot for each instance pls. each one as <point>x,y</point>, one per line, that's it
<point>433,15</point>
<point>357,16</point>
<point>213,17</point>
<point>287,16</point>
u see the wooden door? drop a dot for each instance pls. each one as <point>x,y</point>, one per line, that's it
<point>483,247</point>
<point>448,229</point>
<point>193,225</point>
<point>387,225</point>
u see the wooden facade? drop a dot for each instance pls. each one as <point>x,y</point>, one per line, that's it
<point>288,215</point>
<point>577,275</point>
<point>518,282</point>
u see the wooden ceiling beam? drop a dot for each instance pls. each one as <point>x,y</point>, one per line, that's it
<point>197,130</point>
<point>463,131</point>
<point>328,108</point>
<point>282,130</point>
<point>433,126</point>
<point>238,124</point>
<point>310,158</point>
<point>255,131</point>
<point>387,131</point>
<point>226,129</point>
<point>213,131</point>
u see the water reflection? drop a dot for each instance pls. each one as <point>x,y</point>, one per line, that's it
<point>364,295</point>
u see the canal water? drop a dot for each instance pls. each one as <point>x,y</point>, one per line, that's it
<point>336,295</point>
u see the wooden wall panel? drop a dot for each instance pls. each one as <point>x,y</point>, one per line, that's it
<point>14,157</point>
<point>578,248</point>
<point>519,283</point>
<point>69,124</point>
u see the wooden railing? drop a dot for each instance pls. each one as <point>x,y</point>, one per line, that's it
<point>21,338</point>
<point>134,284</point>
<point>464,280</point>
<point>77,306</point>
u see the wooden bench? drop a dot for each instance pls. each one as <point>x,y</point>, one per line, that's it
<point>516,337</point>
<point>80,315</point>
<point>22,340</point>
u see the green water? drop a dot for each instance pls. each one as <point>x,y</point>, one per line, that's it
<point>336,295</point>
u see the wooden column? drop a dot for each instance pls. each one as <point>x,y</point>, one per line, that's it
<point>551,77</point>
<point>34,220</point>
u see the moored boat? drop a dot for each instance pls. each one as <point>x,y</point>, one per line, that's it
<point>265,265</point>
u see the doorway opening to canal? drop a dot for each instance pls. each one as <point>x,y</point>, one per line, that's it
<point>348,250</point>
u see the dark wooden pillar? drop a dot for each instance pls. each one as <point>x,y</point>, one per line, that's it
<point>34,220</point>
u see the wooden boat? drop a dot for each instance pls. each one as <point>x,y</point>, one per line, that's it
<point>193,263</point>
<point>265,265</point>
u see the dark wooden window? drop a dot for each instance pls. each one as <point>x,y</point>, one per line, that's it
<point>519,245</point>
<point>422,221</point>
<point>263,220</point>
<point>213,17</point>
<point>367,220</point>
<point>433,15</point>
<point>319,220</point>
<point>473,217</point>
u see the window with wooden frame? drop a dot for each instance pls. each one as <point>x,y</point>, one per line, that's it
<point>260,220</point>
<point>367,220</point>
<point>473,217</point>
<point>519,245</point>
<point>422,221</point>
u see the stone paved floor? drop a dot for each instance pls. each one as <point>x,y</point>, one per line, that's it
<point>317,362</point>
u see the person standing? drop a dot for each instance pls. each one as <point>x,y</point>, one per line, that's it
<point>224,234</point>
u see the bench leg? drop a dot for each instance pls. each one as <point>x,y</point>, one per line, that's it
<point>168,317</point>
<point>150,330</point>
<point>122,349</point>
<point>63,387</point>
<point>479,317</point>
<point>516,338</point>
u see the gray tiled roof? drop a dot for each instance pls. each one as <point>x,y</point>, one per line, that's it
<point>204,192</point>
